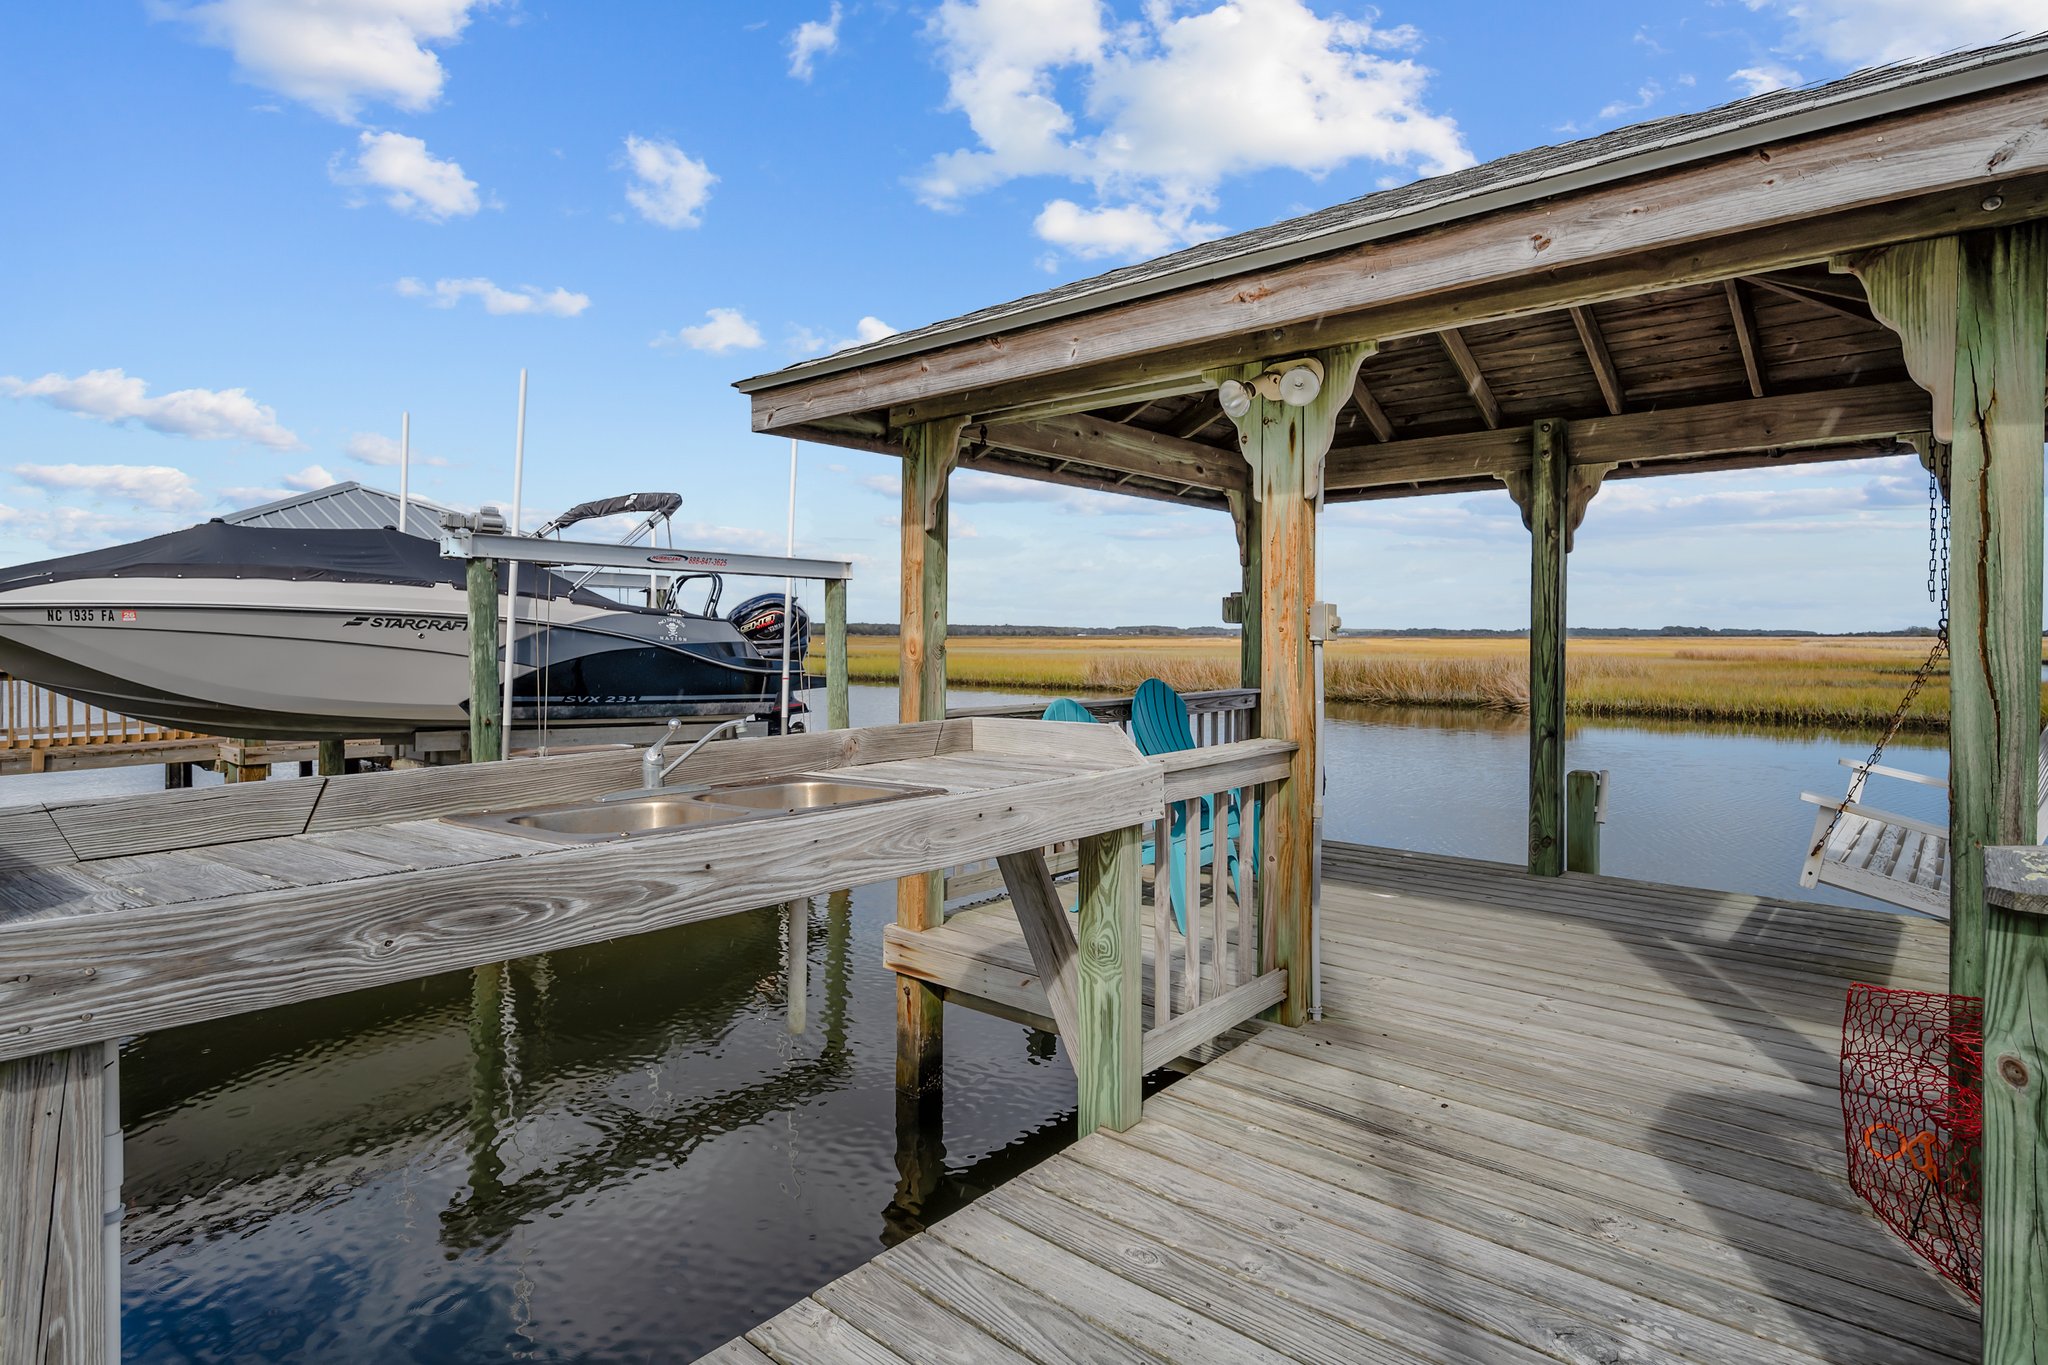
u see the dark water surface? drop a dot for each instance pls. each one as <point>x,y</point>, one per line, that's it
<point>633,1151</point>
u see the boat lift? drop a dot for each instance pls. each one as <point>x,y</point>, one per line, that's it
<point>484,539</point>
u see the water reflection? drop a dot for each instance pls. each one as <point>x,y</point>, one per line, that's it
<point>630,1151</point>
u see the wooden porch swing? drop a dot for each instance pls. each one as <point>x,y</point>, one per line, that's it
<point>1896,858</point>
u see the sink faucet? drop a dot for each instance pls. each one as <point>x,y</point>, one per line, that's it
<point>653,773</point>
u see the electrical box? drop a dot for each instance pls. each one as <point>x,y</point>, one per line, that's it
<point>1323,621</point>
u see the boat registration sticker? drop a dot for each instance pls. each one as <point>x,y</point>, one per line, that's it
<point>128,614</point>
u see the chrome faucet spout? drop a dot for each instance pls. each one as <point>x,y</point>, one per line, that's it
<point>654,773</point>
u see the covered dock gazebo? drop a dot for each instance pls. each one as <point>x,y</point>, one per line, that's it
<point>1832,273</point>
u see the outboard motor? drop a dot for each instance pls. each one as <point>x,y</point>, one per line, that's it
<point>759,622</point>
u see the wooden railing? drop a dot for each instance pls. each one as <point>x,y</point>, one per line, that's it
<point>1207,969</point>
<point>1222,977</point>
<point>1220,717</point>
<point>33,717</point>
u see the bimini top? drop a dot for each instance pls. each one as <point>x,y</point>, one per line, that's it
<point>642,504</point>
<point>1506,182</point>
<point>216,549</point>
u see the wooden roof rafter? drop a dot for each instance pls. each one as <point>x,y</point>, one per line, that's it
<point>1376,419</point>
<point>1744,322</point>
<point>1453,342</point>
<point>1598,357</point>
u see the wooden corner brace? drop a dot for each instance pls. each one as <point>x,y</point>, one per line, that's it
<point>1315,423</point>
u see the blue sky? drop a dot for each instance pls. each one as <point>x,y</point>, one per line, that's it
<point>242,236</point>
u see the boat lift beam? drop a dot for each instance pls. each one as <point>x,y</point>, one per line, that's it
<point>460,543</point>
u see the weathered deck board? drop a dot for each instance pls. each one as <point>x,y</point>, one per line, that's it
<point>1556,1119</point>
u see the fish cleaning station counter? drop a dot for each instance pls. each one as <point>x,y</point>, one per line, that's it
<point>130,914</point>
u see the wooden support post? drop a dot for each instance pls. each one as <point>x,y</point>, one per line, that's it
<point>333,757</point>
<point>930,450</point>
<point>1995,584</point>
<point>797,963</point>
<point>1583,793</point>
<point>177,776</point>
<point>486,728</point>
<point>2015,1156</point>
<point>1971,312</point>
<point>1108,988</point>
<point>838,702</point>
<point>1549,483</point>
<point>54,1271</point>
<point>1285,446</point>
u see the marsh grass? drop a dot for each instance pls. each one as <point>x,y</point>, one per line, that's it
<point>1758,681</point>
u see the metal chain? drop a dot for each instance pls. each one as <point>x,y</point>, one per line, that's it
<point>1937,591</point>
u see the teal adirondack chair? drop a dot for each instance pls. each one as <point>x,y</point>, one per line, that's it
<point>1066,708</point>
<point>1159,725</point>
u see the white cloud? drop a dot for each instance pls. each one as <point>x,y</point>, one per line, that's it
<point>805,341</point>
<point>1164,108</point>
<point>1647,94</point>
<point>144,485</point>
<point>337,55</point>
<point>66,529</point>
<point>413,180</point>
<point>527,298</point>
<point>311,477</point>
<point>670,187</point>
<point>1765,77</point>
<point>813,39</point>
<point>1863,32</point>
<point>372,448</point>
<point>113,396</point>
<point>1124,230</point>
<point>375,448</point>
<point>252,495</point>
<point>727,330</point>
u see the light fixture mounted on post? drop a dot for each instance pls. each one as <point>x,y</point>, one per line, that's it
<point>1236,398</point>
<point>1293,382</point>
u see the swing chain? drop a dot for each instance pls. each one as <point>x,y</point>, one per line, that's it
<point>1937,591</point>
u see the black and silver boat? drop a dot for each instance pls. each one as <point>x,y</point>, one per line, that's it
<point>265,633</point>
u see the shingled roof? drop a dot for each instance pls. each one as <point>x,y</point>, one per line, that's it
<point>1520,178</point>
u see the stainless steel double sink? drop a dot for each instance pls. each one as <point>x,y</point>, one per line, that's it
<point>631,814</point>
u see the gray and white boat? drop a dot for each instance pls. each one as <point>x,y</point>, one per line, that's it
<point>264,632</point>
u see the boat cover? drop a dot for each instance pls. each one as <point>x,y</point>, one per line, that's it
<point>216,549</point>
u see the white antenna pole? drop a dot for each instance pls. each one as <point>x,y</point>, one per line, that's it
<point>512,575</point>
<point>404,467</point>
<point>788,585</point>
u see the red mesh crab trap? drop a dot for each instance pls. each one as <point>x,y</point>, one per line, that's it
<point>1913,1118</point>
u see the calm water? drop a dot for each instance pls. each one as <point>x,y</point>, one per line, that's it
<point>633,1151</point>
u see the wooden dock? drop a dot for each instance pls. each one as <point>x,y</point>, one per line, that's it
<point>1572,1119</point>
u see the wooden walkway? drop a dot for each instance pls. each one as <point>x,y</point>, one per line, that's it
<point>1576,1120</point>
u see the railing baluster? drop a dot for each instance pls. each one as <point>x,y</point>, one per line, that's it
<point>1162,923</point>
<point>1191,829</point>
<point>1219,879</point>
<point>1247,821</point>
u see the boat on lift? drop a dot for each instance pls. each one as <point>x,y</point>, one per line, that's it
<point>259,632</point>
